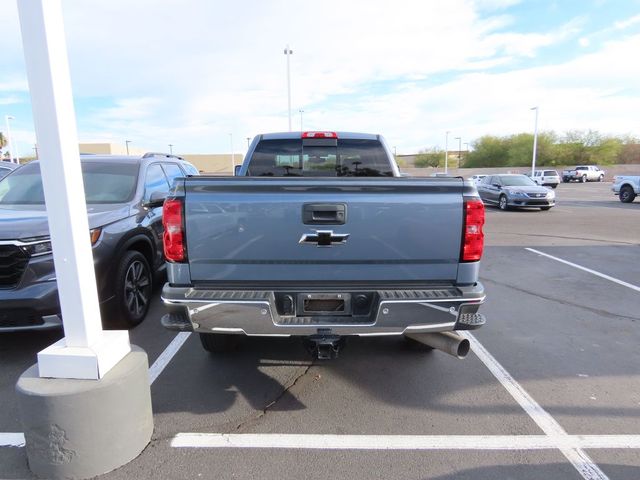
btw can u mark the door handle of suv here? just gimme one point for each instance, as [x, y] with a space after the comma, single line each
[324, 214]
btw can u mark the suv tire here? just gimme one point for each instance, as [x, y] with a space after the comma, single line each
[583, 179]
[601, 178]
[219, 342]
[133, 286]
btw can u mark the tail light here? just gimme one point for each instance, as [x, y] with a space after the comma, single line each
[173, 237]
[473, 237]
[319, 135]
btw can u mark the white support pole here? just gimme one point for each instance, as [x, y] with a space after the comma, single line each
[85, 351]
[535, 145]
[446, 151]
[12, 153]
[288, 52]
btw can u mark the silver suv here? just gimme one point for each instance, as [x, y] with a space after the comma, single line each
[546, 178]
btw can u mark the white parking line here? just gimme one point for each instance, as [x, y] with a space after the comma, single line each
[402, 442]
[585, 269]
[10, 439]
[576, 455]
[167, 355]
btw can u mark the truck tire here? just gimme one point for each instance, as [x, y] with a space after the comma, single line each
[627, 195]
[601, 178]
[219, 342]
[502, 203]
[565, 180]
[134, 286]
[583, 179]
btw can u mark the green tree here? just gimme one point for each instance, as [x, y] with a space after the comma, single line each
[488, 151]
[429, 157]
[3, 142]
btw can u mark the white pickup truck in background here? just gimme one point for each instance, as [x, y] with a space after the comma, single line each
[626, 187]
[583, 173]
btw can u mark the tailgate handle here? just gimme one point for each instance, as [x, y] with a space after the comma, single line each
[324, 214]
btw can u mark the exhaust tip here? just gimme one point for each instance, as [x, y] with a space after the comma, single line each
[463, 348]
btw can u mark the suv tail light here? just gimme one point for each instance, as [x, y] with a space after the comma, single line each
[473, 237]
[173, 237]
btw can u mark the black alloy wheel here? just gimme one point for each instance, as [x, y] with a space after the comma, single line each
[627, 195]
[134, 287]
[502, 202]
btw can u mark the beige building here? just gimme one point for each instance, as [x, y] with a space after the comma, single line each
[207, 163]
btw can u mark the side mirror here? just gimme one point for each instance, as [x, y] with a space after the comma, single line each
[156, 199]
[236, 170]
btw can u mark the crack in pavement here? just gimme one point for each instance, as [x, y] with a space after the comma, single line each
[287, 387]
[600, 240]
[561, 301]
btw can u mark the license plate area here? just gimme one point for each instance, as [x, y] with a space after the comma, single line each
[324, 303]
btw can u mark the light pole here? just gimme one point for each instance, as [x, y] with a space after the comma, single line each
[301, 112]
[535, 143]
[127, 142]
[446, 151]
[248, 140]
[171, 149]
[12, 152]
[233, 157]
[459, 149]
[288, 52]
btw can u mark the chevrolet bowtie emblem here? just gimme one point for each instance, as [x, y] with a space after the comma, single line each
[324, 238]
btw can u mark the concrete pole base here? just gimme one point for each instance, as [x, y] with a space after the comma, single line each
[84, 428]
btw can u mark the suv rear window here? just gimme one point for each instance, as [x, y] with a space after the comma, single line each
[550, 173]
[320, 158]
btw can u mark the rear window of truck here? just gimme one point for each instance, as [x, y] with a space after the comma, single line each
[319, 158]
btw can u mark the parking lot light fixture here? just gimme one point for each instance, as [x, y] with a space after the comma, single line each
[459, 149]
[535, 143]
[446, 151]
[127, 142]
[13, 153]
[171, 149]
[288, 52]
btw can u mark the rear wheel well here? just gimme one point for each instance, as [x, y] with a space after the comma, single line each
[144, 248]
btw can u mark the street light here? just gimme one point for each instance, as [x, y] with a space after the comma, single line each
[535, 144]
[301, 112]
[248, 140]
[233, 157]
[446, 151]
[171, 149]
[12, 152]
[459, 149]
[127, 142]
[288, 52]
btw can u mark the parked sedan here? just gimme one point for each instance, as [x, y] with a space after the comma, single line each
[124, 205]
[515, 191]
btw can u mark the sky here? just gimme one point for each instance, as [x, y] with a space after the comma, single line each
[205, 75]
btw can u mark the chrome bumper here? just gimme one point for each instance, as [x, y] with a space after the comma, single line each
[394, 312]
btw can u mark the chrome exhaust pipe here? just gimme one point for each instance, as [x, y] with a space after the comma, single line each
[447, 342]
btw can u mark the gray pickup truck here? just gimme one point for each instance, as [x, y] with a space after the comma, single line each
[319, 236]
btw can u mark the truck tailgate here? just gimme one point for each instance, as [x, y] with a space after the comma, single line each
[289, 230]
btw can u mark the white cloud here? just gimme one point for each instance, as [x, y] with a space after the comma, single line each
[623, 24]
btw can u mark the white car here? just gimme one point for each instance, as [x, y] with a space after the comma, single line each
[546, 178]
[476, 179]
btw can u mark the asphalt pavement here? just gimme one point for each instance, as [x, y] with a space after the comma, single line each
[551, 389]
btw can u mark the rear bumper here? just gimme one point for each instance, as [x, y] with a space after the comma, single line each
[392, 312]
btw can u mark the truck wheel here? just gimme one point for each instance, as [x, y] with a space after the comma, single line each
[565, 180]
[502, 203]
[601, 178]
[627, 195]
[134, 285]
[219, 342]
[583, 179]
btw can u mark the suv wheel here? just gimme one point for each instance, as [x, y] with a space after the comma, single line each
[219, 342]
[583, 179]
[627, 195]
[134, 285]
[601, 178]
[502, 202]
